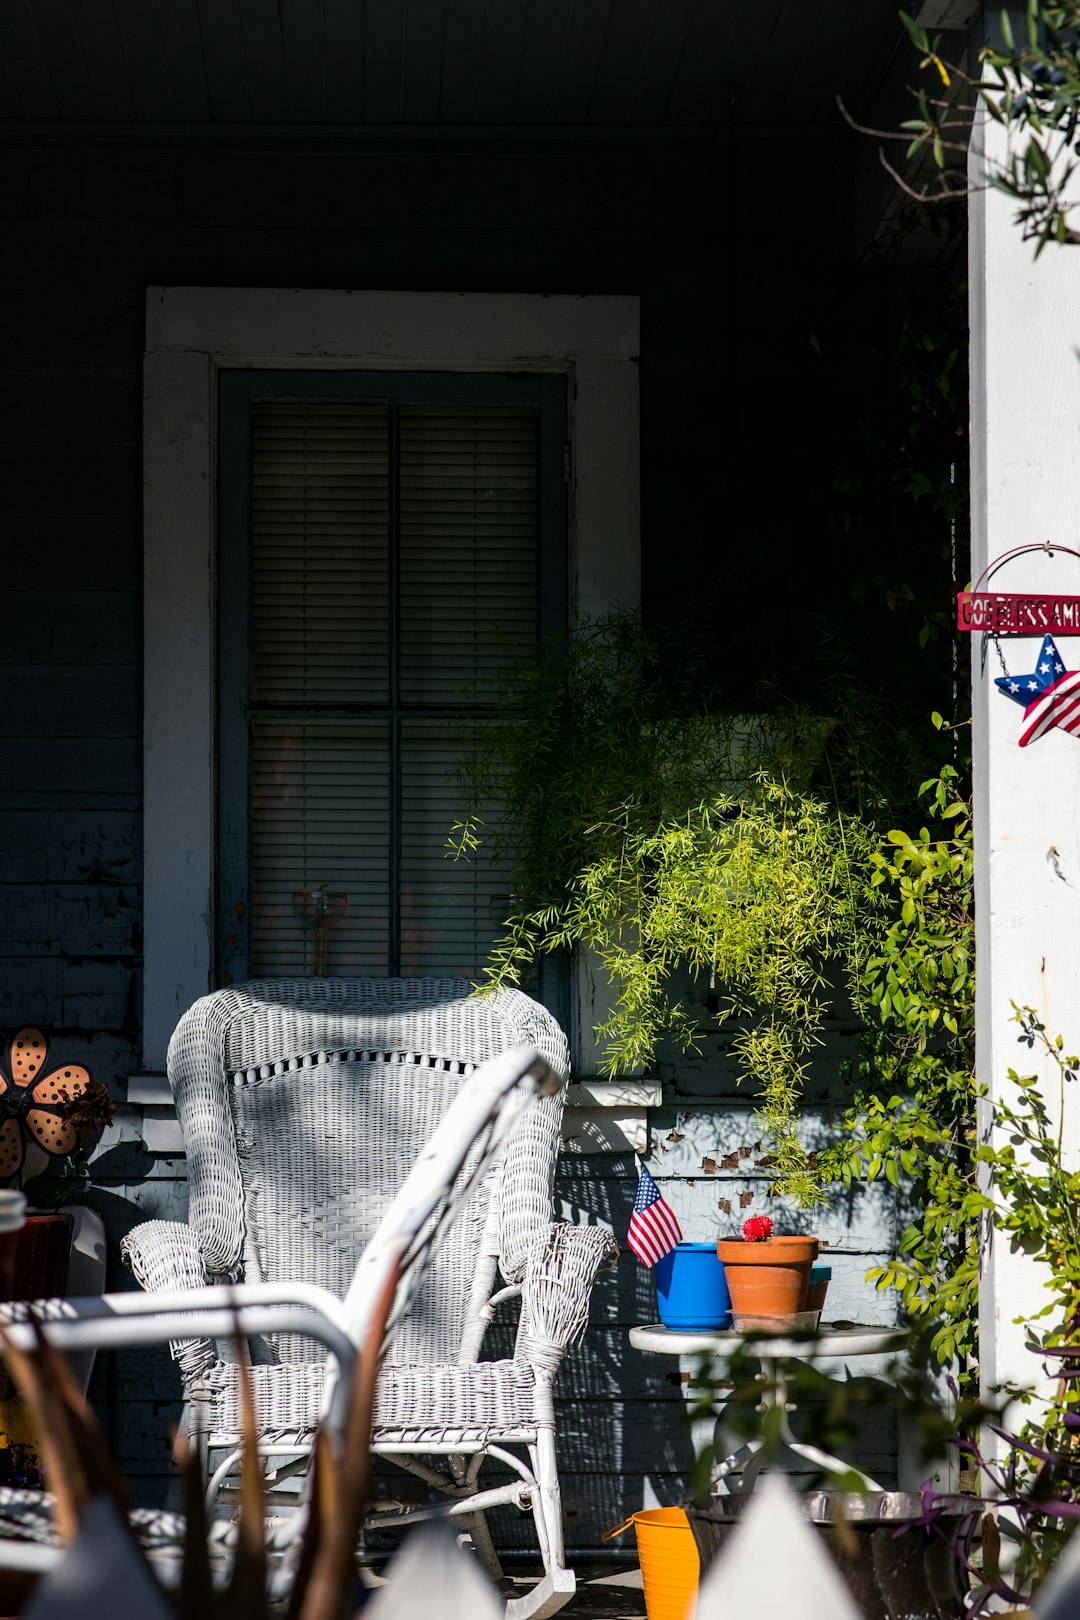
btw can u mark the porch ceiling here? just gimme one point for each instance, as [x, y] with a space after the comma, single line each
[464, 65]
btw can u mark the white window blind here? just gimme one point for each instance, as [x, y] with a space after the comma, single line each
[394, 567]
[320, 565]
[468, 547]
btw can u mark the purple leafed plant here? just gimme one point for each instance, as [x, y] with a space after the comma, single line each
[1037, 1484]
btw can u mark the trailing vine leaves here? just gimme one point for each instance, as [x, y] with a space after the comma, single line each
[763, 892]
[913, 1116]
[623, 725]
[667, 834]
[1033, 1198]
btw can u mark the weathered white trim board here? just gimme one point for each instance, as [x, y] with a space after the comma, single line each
[1025, 443]
[609, 1116]
[614, 1094]
[149, 1091]
[601, 1116]
[191, 333]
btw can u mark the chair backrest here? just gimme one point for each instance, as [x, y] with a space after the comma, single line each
[304, 1103]
[453, 1165]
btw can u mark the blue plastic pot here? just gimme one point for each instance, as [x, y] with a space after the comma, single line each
[820, 1278]
[691, 1289]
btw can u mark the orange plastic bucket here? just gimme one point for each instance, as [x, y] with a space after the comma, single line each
[670, 1567]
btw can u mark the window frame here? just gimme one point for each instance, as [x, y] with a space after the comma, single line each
[192, 333]
[239, 392]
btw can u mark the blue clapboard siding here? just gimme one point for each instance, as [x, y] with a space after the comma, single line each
[85, 229]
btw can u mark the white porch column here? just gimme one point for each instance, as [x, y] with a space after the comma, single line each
[1025, 443]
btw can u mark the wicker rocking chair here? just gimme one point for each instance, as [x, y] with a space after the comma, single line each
[303, 1104]
[465, 1145]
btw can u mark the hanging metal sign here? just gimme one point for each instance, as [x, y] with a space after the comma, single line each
[1017, 614]
[1049, 694]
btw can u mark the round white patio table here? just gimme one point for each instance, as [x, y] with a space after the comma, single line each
[773, 1353]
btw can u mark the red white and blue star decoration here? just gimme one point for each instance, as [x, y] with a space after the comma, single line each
[1050, 695]
[1058, 706]
[1049, 667]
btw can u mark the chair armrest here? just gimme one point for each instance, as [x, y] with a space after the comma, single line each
[165, 1257]
[557, 1288]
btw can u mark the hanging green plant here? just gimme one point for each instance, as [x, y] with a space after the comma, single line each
[667, 836]
[767, 895]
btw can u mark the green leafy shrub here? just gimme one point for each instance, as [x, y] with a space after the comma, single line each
[1032, 1193]
[913, 1116]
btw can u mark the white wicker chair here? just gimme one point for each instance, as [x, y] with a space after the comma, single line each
[464, 1146]
[303, 1103]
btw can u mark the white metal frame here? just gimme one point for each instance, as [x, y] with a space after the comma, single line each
[123, 1321]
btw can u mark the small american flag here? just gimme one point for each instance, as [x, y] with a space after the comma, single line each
[654, 1231]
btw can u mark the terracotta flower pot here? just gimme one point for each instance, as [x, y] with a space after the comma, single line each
[770, 1278]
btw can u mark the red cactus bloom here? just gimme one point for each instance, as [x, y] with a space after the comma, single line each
[757, 1228]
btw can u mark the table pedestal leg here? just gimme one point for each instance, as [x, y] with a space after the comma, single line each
[749, 1460]
[738, 1462]
[830, 1464]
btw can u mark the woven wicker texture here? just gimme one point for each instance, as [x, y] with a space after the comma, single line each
[285, 1024]
[309, 1140]
[30, 1516]
[304, 1102]
[558, 1286]
[165, 1255]
[432, 1401]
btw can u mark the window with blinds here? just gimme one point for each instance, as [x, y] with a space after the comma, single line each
[384, 552]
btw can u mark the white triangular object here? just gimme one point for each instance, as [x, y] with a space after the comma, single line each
[1059, 1596]
[774, 1567]
[103, 1575]
[432, 1577]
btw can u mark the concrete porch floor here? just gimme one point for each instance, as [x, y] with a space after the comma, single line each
[604, 1592]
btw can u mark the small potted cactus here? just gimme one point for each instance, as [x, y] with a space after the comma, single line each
[767, 1276]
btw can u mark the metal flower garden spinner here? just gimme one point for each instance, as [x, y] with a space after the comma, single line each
[49, 1113]
[1050, 693]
